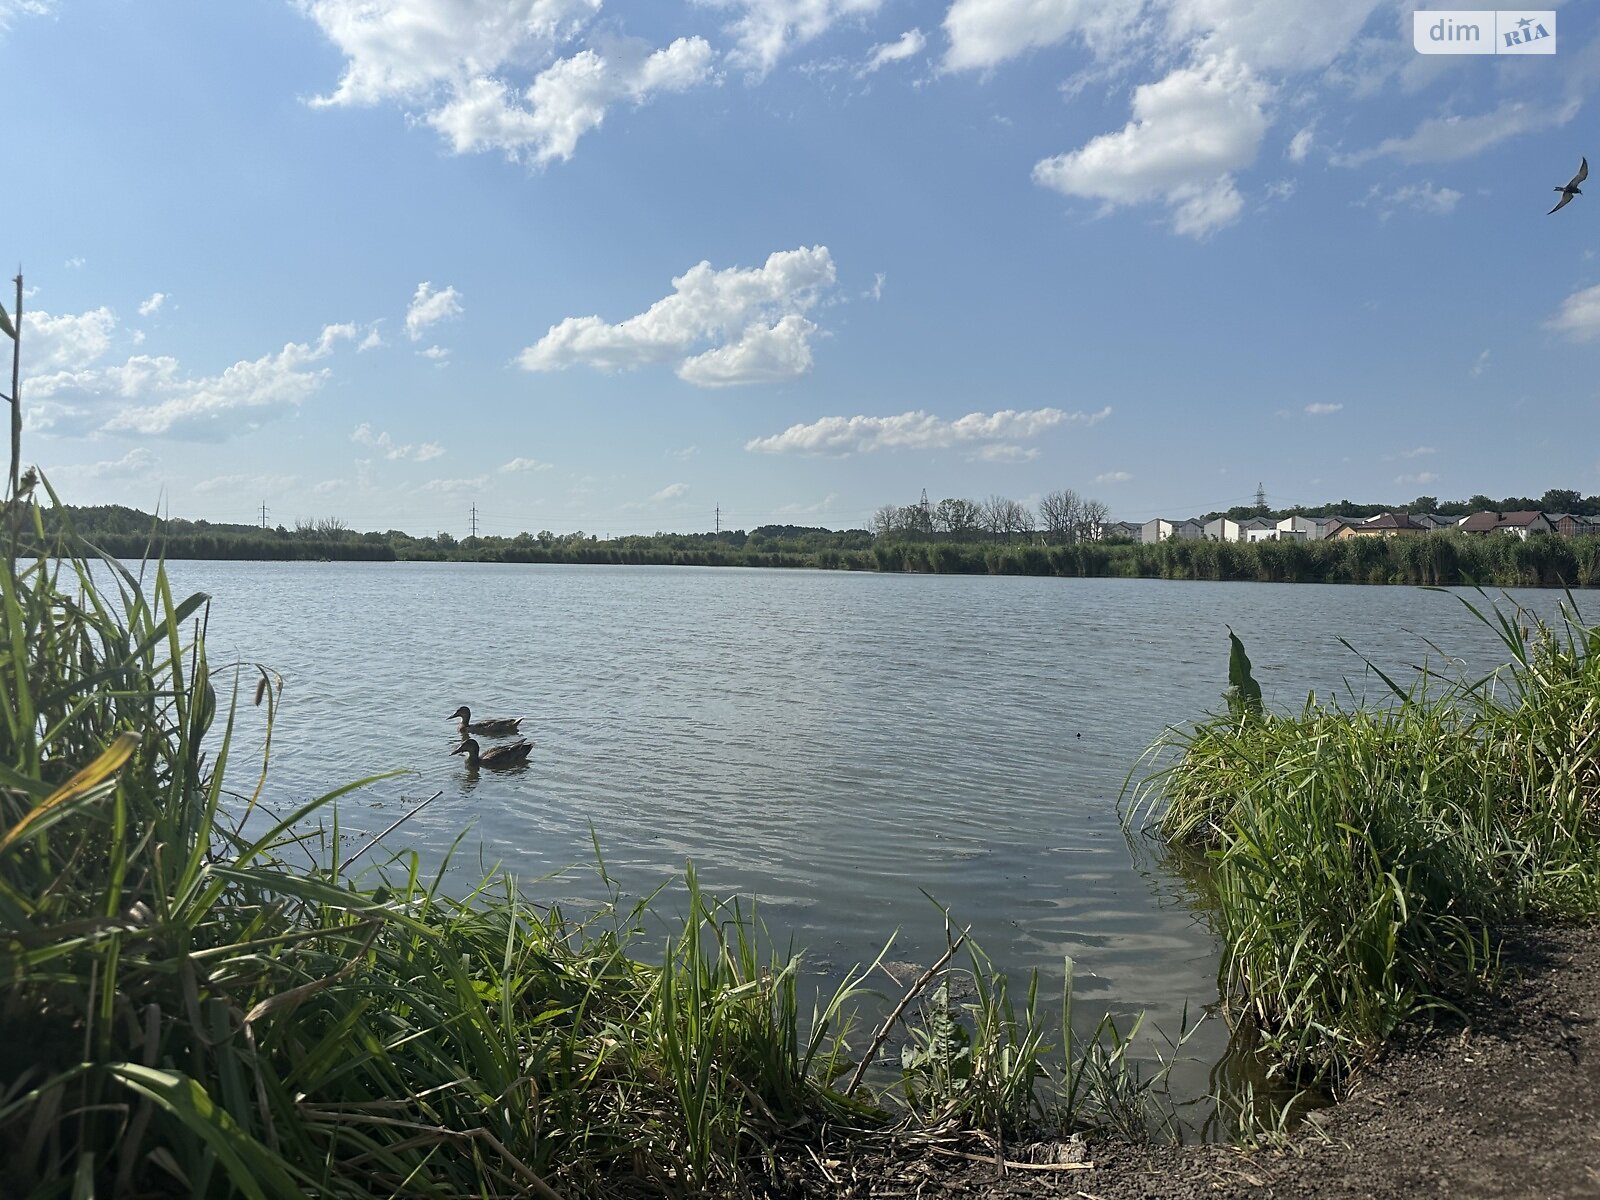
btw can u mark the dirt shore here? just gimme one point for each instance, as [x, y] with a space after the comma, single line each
[1504, 1105]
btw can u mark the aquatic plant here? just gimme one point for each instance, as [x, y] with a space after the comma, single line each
[1359, 860]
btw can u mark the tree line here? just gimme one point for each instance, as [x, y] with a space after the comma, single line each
[1063, 517]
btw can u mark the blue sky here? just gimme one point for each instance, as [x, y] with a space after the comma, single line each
[600, 265]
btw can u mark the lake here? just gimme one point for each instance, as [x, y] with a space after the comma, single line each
[834, 744]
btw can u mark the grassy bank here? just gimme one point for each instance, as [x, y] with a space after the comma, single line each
[1358, 862]
[187, 1008]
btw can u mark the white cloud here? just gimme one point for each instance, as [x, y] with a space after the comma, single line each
[1480, 364]
[523, 464]
[910, 44]
[766, 30]
[429, 307]
[75, 263]
[149, 395]
[385, 445]
[438, 354]
[672, 492]
[153, 305]
[1446, 139]
[1188, 133]
[754, 316]
[916, 430]
[1418, 452]
[1422, 477]
[405, 49]
[1323, 410]
[254, 484]
[761, 355]
[1579, 317]
[455, 487]
[1291, 35]
[372, 341]
[984, 33]
[1113, 477]
[1300, 145]
[1007, 452]
[135, 463]
[685, 453]
[875, 292]
[1421, 197]
[459, 59]
[567, 99]
[69, 342]
[21, 8]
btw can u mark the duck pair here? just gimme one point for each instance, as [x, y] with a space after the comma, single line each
[512, 755]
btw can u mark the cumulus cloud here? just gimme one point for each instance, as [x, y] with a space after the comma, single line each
[1579, 317]
[152, 395]
[404, 49]
[985, 33]
[1300, 145]
[753, 315]
[429, 307]
[385, 445]
[1188, 134]
[135, 463]
[67, 342]
[567, 99]
[460, 61]
[766, 30]
[523, 464]
[1322, 410]
[672, 492]
[153, 305]
[910, 44]
[916, 430]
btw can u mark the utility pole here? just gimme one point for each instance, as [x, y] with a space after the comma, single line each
[718, 526]
[263, 514]
[474, 519]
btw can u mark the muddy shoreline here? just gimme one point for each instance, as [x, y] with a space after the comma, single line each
[1503, 1104]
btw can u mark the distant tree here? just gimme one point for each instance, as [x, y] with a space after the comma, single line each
[1481, 503]
[1560, 500]
[1095, 515]
[1424, 504]
[1061, 515]
[957, 519]
[886, 521]
[914, 520]
[995, 512]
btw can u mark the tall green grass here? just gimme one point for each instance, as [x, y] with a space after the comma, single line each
[1359, 860]
[200, 998]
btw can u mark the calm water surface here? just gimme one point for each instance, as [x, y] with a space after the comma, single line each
[832, 743]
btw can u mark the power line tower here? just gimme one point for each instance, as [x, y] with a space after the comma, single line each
[717, 517]
[263, 514]
[474, 520]
[1261, 496]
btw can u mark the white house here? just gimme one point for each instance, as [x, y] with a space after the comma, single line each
[1221, 529]
[1159, 529]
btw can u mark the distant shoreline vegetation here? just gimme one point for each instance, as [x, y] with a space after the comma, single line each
[1439, 558]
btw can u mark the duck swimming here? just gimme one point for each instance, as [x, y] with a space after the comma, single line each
[489, 727]
[496, 757]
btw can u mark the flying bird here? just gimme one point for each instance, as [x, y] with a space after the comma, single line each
[1572, 189]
